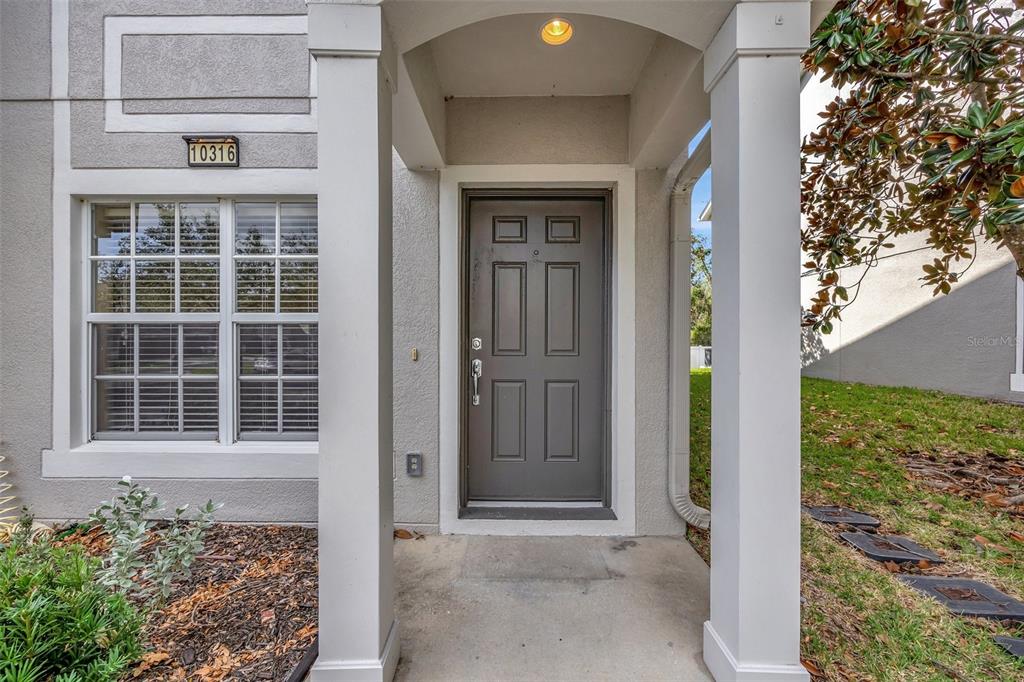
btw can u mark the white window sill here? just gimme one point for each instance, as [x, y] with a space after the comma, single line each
[182, 459]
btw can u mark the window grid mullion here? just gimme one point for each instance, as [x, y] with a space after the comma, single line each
[280, 377]
[177, 257]
[131, 257]
[226, 341]
[136, 371]
[181, 383]
[277, 257]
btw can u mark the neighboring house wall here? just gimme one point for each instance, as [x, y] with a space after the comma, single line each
[591, 130]
[896, 333]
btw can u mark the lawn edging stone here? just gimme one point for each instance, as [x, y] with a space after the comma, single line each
[890, 548]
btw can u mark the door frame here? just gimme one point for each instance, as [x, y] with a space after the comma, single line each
[525, 180]
[467, 195]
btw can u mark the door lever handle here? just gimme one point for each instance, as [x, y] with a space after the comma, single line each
[476, 372]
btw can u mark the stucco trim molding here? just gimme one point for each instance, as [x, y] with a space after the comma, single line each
[117, 121]
[621, 179]
[184, 460]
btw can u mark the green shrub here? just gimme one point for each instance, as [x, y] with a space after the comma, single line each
[66, 616]
[57, 622]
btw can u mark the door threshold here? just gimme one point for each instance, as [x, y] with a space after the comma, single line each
[589, 504]
[531, 513]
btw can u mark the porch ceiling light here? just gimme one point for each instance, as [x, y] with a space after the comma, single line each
[556, 32]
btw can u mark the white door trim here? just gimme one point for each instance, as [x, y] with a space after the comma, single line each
[621, 179]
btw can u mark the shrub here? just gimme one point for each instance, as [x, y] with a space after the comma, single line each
[126, 568]
[66, 616]
[57, 621]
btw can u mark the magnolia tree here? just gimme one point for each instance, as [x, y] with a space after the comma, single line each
[927, 137]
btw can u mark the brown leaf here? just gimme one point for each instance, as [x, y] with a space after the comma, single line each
[1019, 537]
[891, 566]
[812, 667]
[150, 660]
[830, 484]
[924, 564]
[403, 534]
[985, 543]
[995, 499]
[267, 616]
[1017, 188]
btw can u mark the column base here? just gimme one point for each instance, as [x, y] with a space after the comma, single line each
[725, 668]
[382, 670]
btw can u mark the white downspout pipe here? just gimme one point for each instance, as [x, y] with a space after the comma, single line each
[679, 355]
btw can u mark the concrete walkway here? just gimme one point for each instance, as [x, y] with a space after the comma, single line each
[511, 609]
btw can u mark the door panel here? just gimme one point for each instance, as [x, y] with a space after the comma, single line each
[536, 300]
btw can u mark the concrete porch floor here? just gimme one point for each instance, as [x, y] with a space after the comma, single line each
[475, 608]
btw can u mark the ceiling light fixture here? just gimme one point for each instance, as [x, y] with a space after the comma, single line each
[557, 31]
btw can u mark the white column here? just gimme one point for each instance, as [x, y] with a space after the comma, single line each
[753, 74]
[358, 630]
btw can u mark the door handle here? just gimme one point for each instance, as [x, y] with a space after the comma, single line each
[476, 372]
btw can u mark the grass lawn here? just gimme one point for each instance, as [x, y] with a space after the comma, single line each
[921, 462]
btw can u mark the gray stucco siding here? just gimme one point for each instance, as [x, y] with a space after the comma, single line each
[224, 66]
[85, 34]
[91, 147]
[187, 73]
[24, 49]
[654, 513]
[416, 386]
[511, 130]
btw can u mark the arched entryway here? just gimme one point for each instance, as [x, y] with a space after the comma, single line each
[377, 89]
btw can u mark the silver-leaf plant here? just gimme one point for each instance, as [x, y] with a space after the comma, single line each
[127, 520]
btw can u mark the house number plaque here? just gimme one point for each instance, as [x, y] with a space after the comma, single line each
[219, 151]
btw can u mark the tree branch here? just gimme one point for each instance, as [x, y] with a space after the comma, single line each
[1013, 40]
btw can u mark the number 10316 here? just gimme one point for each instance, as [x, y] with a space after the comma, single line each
[213, 153]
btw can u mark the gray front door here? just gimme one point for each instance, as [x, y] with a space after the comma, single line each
[536, 330]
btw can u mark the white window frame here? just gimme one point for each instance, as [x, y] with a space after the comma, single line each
[1017, 378]
[147, 457]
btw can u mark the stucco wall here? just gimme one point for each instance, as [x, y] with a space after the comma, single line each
[149, 74]
[655, 515]
[416, 327]
[511, 130]
[896, 333]
[518, 130]
[26, 130]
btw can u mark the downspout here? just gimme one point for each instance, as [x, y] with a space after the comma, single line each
[679, 354]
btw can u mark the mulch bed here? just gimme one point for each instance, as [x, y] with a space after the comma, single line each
[998, 481]
[247, 612]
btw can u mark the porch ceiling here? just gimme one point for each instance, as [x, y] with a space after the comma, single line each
[504, 57]
[650, 50]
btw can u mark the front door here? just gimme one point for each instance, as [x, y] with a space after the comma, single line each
[536, 347]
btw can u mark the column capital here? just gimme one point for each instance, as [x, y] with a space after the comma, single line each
[352, 29]
[760, 29]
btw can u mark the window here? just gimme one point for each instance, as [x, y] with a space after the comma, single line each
[203, 320]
